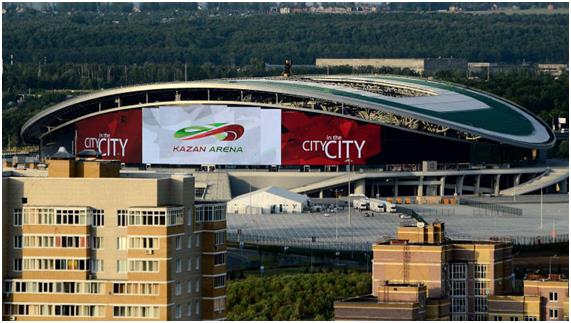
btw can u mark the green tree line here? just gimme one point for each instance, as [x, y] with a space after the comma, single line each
[293, 297]
[180, 36]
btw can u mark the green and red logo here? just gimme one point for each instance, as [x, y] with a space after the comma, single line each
[220, 130]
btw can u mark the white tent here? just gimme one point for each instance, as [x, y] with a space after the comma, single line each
[267, 200]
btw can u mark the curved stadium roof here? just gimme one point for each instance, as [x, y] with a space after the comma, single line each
[419, 105]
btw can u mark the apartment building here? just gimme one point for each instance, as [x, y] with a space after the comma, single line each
[422, 275]
[88, 242]
[545, 298]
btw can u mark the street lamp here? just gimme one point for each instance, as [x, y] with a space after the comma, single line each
[335, 213]
[348, 161]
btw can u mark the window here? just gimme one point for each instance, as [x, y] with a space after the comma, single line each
[122, 218]
[553, 313]
[178, 263]
[189, 264]
[17, 217]
[196, 307]
[497, 318]
[98, 218]
[17, 242]
[514, 318]
[189, 287]
[178, 311]
[220, 238]
[188, 309]
[189, 242]
[121, 266]
[96, 242]
[197, 240]
[96, 265]
[177, 288]
[552, 296]
[219, 259]
[220, 281]
[121, 243]
[197, 262]
[143, 266]
[480, 271]
[197, 286]
[530, 318]
[210, 212]
[18, 264]
[219, 304]
[143, 243]
[178, 242]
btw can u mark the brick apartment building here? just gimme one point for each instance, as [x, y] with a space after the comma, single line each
[422, 275]
[87, 242]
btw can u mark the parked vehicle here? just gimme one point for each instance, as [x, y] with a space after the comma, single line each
[377, 205]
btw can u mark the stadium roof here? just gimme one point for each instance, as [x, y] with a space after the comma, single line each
[443, 104]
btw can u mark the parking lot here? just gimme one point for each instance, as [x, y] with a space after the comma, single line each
[462, 221]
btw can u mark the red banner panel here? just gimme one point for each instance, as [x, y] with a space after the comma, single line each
[317, 139]
[117, 135]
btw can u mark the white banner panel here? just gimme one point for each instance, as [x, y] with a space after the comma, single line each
[211, 134]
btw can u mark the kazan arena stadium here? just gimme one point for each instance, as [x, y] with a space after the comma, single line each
[397, 135]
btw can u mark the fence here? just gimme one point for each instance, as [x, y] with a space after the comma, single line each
[309, 243]
[435, 213]
[491, 208]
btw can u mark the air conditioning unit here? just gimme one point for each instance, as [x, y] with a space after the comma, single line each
[12, 318]
[149, 252]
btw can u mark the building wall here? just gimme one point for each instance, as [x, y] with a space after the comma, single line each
[550, 305]
[176, 254]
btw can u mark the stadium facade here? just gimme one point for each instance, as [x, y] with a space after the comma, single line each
[315, 122]
[312, 120]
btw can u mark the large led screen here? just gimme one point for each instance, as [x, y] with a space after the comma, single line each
[117, 135]
[211, 134]
[317, 139]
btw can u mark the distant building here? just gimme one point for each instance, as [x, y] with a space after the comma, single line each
[485, 69]
[545, 298]
[422, 275]
[269, 200]
[89, 242]
[426, 66]
[284, 10]
[553, 69]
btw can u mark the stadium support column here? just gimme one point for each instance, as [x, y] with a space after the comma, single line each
[442, 185]
[477, 185]
[360, 187]
[496, 186]
[420, 188]
[517, 178]
[396, 190]
[321, 194]
[459, 184]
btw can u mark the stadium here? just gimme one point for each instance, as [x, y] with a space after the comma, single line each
[410, 139]
[312, 123]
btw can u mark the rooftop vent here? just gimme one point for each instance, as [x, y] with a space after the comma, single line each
[89, 154]
[62, 153]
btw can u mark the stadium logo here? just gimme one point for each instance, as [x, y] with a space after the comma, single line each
[220, 130]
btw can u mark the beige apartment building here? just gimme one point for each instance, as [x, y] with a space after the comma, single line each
[422, 275]
[87, 242]
[545, 298]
